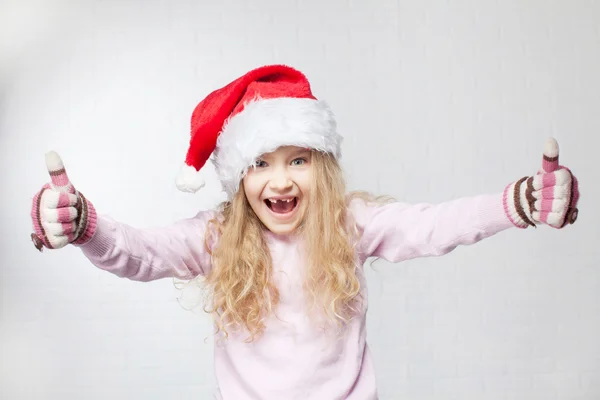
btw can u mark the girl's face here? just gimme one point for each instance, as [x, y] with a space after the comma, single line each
[278, 187]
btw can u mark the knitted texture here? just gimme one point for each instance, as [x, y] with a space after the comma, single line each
[549, 197]
[59, 213]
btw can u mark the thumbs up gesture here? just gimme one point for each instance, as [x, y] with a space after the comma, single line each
[60, 214]
[549, 197]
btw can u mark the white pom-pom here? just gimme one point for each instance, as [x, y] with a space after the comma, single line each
[189, 180]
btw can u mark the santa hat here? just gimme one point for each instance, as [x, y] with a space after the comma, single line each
[266, 108]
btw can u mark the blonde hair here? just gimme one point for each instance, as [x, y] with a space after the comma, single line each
[240, 287]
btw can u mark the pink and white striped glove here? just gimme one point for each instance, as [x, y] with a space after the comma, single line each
[59, 213]
[549, 197]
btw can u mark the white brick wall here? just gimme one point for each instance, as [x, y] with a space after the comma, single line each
[437, 100]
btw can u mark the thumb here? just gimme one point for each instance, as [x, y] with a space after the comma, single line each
[550, 158]
[58, 174]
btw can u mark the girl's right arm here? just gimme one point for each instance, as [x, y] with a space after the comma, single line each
[176, 250]
[61, 215]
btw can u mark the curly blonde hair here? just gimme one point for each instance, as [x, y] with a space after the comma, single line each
[240, 287]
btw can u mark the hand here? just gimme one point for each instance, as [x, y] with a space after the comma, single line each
[59, 213]
[549, 197]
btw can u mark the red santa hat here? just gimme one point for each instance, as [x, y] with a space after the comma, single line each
[266, 108]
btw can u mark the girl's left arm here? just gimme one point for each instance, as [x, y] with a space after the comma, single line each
[400, 231]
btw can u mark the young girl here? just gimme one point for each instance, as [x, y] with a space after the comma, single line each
[282, 258]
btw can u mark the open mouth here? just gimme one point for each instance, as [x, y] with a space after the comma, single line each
[282, 206]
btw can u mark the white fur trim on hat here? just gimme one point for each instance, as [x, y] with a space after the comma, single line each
[266, 124]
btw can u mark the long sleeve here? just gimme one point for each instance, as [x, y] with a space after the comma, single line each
[177, 250]
[400, 231]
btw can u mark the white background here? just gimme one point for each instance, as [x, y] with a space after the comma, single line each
[436, 100]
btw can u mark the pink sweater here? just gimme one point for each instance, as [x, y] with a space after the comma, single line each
[293, 360]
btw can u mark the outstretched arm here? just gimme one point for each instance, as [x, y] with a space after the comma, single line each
[61, 215]
[144, 255]
[401, 231]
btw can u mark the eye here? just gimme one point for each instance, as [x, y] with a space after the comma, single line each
[260, 163]
[299, 161]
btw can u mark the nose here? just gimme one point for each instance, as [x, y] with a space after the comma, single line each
[280, 181]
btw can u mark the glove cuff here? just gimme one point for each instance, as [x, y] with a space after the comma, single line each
[516, 205]
[87, 221]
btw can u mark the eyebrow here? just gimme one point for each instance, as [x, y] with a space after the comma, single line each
[293, 153]
[300, 151]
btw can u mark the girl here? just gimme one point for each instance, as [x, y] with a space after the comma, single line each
[282, 257]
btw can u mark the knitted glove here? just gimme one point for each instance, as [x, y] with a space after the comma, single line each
[550, 197]
[59, 213]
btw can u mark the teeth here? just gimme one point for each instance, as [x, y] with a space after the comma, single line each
[275, 200]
